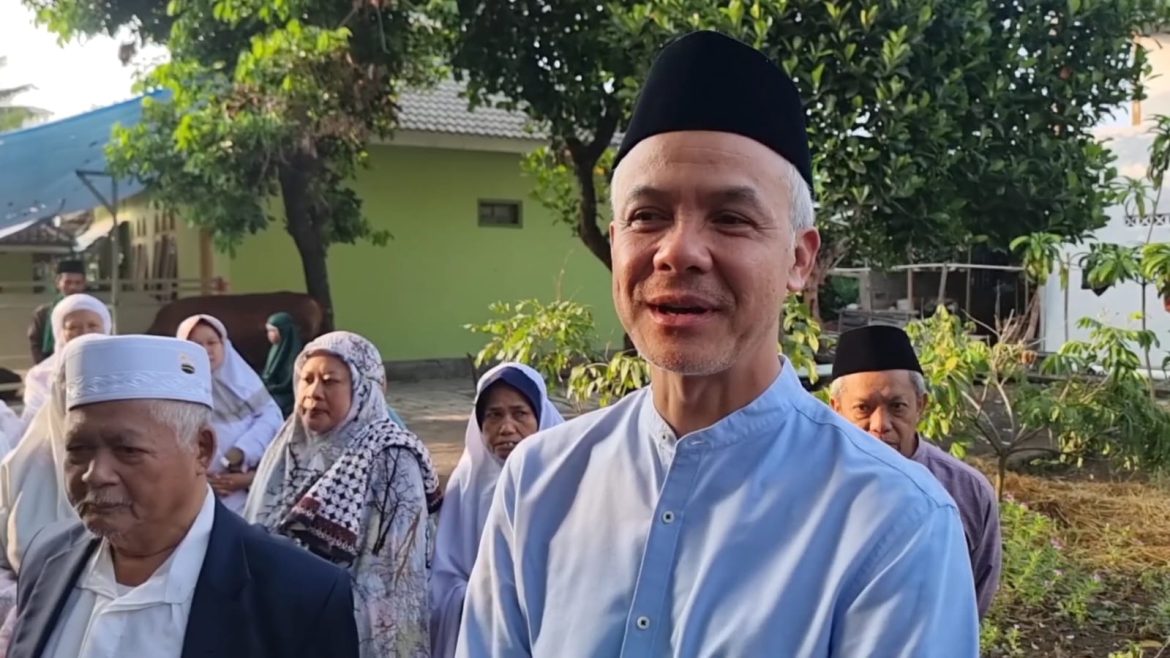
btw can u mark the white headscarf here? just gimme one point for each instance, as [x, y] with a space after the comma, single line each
[11, 427]
[32, 494]
[236, 389]
[38, 379]
[465, 507]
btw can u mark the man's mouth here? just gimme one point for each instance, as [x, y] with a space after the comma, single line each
[671, 309]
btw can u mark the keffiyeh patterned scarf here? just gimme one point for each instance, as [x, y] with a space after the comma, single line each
[326, 510]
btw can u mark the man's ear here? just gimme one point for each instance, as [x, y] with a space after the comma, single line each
[205, 447]
[805, 245]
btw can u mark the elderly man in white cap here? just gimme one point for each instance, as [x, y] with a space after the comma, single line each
[156, 566]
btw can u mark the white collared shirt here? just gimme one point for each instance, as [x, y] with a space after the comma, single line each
[104, 619]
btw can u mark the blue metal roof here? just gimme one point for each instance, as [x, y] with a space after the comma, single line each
[39, 165]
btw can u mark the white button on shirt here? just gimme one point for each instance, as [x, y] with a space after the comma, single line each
[104, 619]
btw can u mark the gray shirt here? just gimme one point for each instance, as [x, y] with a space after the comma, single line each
[978, 511]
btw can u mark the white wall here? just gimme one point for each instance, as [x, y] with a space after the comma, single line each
[1116, 306]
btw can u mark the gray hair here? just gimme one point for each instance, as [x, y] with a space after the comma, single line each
[800, 210]
[186, 419]
[837, 386]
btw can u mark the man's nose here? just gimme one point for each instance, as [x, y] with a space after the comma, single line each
[683, 247]
[879, 421]
[100, 472]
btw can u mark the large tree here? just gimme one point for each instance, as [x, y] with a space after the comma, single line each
[267, 109]
[934, 124]
[13, 116]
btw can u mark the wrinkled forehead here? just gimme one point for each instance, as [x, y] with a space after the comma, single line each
[358, 354]
[879, 385]
[126, 418]
[699, 164]
[80, 316]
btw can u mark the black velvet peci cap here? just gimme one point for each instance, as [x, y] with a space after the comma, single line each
[873, 349]
[70, 267]
[708, 81]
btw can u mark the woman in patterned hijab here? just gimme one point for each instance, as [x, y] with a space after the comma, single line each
[351, 486]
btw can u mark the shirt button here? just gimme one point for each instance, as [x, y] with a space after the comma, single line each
[643, 623]
[668, 517]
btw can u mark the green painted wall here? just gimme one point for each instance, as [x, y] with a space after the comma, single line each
[441, 270]
[15, 268]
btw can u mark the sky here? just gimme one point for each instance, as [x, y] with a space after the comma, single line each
[70, 79]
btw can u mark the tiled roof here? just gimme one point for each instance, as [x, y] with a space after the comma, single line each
[443, 109]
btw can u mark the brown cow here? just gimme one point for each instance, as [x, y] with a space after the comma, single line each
[244, 316]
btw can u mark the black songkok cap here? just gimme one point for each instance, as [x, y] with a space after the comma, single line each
[708, 81]
[873, 349]
[70, 267]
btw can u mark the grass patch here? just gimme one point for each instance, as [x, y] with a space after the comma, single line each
[1086, 570]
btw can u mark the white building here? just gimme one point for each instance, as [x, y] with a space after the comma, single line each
[1128, 137]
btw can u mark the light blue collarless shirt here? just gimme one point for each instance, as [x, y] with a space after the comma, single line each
[779, 531]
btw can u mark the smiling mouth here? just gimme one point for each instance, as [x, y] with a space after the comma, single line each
[670, 309]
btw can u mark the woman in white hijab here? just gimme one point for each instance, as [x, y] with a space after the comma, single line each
[75, 315]
[244, 415]
[511, 404]
[11, 427]
[32, 495]
[354, 488]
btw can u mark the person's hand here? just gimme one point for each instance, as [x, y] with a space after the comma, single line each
[227, 483]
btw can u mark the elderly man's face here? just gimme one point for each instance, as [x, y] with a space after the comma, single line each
[886, 404]
[703, 249]
[127, 474]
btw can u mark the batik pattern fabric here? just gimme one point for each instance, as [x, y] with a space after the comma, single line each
[357, 496]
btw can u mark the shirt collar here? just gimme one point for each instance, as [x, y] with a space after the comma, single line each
[921, 450]
[768, 410]
[173, 583]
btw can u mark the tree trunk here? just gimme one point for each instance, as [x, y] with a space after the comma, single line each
[304, 226]
[827, 259]
[585, 158]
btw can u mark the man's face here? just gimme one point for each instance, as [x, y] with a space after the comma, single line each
[70, 283]
[507, 419]
[126, 473]
[80, 323]
[703, 250]
[886, 404]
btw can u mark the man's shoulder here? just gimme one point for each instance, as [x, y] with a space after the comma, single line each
[50, 540]
[272, 557]
[593, 426]
[857, 455]
[956, 474]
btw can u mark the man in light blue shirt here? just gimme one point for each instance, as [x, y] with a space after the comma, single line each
[722, 511]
